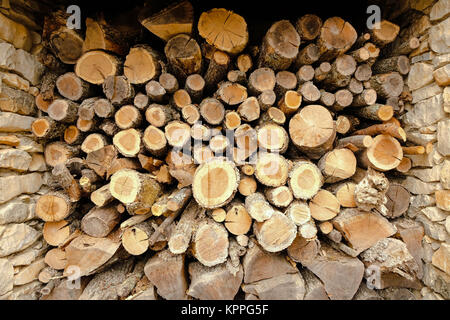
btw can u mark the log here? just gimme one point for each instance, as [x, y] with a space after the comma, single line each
[141, 64]
[384, 154]
[223, 24]
[249, 109]
[58, 234]
[95, 66]
[307, 55]
[247, 186]
[271, 169]
[168, 82]
[276, 233]
[386, 128]
[86, 109]
[93, 142]
[180, 99]
[177, 133]
[155, 91]
[175, 19]
[15, 33]
[85, 125]
[278, 52]
[128, 142]
[280, 197]
[345, 193]
[232, 93]
[66, 43]
[56, 259]
[232, 120]
[181, 236]
[336, 37]
[377, 112]
[102, 196]
[215, 183]
[398, 64]
[313, 121]
[67, 182]
[272, 138]
[244, 62]
[343, 99]
[258, 207]
[355, 86]
[159, 115]
[260, 80]
[70, 86]
[367, 97]
[46, 128]
[183, 55]
[324, 206]
[100, 160]
[322, 71]
[63, 110]
[217, 69]
[135, 238]
[341, 72]
[210, 243]
[131, 187]
[99, 222]
[398, 200]
[237, 220]
[273, 115]
[337, 165]
[284, 81]
[308, 27]
[128, 117]
[219, 144]
[118, 90]
[383, 33]
[387, 84]
[358, 142]
[298, 212]
[309, 92]
[305, 179]
[194, 86]
[103, 108]
[212, 111]
[59, 152]
[53, 206]
[327, 98]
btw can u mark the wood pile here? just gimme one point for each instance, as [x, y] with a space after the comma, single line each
[235, 160]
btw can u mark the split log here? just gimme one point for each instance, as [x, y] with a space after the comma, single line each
[17, 101]
[398, 199]
[278, 52]
[100, 160]
[174, 19]
[67, 182]
[141, 64]
[313, 130]
[102, 196]
[324, 206]
[103, 36]
[223, 24]
[95, 66]
[345, 193]
[183, 55]
[99, 222]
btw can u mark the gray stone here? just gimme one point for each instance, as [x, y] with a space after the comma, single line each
[427, 56]
[417, 186]
[16, 237]
[441, 60]
[426, 92]
[446, 99]
[438, 280]
[434, 214]
[432, 229]
[442, 75]
[37, 163]
[26, 143]
[30, 254]
[290, 286]
[426, 160]
[6, 276]
[414, 136]
[20, 62]
[440, 10]
[426, 112]
[440, 37]
[420, 75]
[11, 122]
[441, 258]
[426, 175]
[14, 159]
[447, 224]
[422, 200]
[12, 186]
[443, 136]
[18, 210]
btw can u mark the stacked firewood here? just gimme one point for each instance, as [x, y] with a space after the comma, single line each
[214, 148]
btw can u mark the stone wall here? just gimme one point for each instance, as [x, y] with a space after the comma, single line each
[23, 173]
[427, 121]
